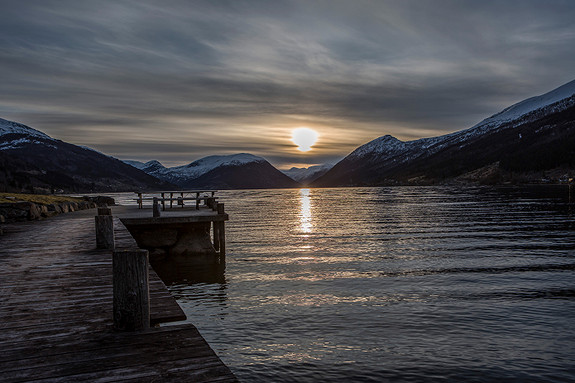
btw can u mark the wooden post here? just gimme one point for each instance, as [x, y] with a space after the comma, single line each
[171, 199]
[155, 208]
[105, 229]
[198, 201]
[216, 226]
[570, 185]
[131, 290]
[163, 202]
[221, 232]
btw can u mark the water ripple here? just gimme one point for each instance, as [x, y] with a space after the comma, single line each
[405, 284]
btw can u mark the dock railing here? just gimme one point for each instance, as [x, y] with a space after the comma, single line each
[167, 198]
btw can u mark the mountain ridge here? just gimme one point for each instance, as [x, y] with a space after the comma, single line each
[221, 172]
[307, 175]
[32, 161]
[387, 160]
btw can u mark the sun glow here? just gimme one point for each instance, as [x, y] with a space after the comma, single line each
[304, 138]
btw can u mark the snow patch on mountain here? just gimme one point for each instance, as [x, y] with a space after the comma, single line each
[152, 165]
[206, 164]
[307, 174]
[529, 105]
[382, 146]
[193, 170]
[21, 142]
[134, 163]
[10, 127]
[390, 148]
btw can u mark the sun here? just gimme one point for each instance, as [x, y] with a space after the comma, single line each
[304, 138]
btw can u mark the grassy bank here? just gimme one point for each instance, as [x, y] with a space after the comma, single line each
[36, 198]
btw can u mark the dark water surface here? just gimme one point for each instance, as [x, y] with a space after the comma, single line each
[393, 284]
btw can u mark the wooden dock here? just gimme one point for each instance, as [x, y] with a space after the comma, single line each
[56, 314]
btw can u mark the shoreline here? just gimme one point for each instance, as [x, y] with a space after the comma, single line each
[30, 207]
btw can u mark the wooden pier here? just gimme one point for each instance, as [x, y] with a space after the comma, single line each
[179, 235]
[56, 314]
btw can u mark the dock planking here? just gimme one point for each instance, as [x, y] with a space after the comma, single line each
[56, 314]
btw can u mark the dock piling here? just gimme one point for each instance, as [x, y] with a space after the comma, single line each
[221, 236]
[105, 229]
[131, 290]
[180, 233]
[156, 208]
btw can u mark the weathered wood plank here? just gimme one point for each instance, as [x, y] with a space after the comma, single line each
[101, 341]
[56, 314]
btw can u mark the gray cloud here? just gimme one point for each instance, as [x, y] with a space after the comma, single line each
[136, 78]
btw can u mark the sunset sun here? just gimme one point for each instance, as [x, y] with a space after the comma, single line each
[304, 138]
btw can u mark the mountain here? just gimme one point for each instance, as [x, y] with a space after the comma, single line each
[307, 175]
[153, 168]
[237, 171]
[10, 127]
[137, 164]
[35, 162]
[517, 144]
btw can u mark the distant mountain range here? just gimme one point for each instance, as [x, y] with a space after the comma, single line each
[530, 141]
[32, 161]
[236, 171]
[520, 144]
[307, 175]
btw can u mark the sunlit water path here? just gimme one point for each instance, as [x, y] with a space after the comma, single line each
[392, 284]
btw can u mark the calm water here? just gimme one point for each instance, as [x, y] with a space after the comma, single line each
[392, 284]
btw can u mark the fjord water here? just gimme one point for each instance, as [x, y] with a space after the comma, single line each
[392, 284]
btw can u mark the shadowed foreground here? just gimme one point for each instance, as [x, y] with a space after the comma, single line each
[56, 314]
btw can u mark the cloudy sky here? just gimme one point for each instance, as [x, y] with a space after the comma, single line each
[179, 80]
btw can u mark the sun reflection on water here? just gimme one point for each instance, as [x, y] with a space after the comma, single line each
[305, 217]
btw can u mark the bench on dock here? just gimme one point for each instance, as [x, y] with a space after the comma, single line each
[162, 197]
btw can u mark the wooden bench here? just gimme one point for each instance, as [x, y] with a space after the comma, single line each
[178, 200]
[182, 193]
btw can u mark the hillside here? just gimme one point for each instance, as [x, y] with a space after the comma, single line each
[31, 161]
[524, 143]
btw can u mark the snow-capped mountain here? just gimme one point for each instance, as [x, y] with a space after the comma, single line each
[236, 171]
[14, 135]
[10, 127]
[387, 160]
[307, 175]
[206, 164]
[560, 98]
[528, 110]
[134, 163]
[33, 161]
[153, 167]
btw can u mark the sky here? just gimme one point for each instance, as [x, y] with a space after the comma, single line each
[179, 80]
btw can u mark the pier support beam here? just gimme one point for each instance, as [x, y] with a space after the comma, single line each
[155, 208]
[105, 229]
[221, 238]
[131, 290]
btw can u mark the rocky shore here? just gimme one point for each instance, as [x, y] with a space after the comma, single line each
[30, 211]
